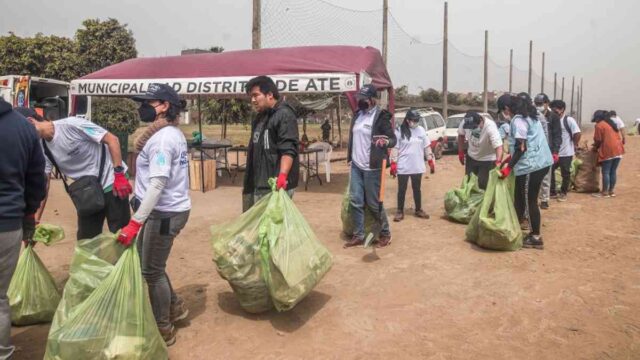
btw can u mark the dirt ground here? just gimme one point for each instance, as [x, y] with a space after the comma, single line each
[430, 295]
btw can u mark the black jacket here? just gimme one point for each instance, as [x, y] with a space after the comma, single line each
[381, 126]
[279, 136]
[22, 179]
[555, 131]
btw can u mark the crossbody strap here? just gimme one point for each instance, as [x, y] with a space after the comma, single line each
[49, 155]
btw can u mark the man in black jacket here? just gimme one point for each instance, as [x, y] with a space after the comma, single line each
[22, 188]
[370, 137]
[273, 147]
[554, 138]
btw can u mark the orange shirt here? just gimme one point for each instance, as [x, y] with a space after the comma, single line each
[610, 141]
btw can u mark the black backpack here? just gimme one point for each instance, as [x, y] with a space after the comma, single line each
[567, 127]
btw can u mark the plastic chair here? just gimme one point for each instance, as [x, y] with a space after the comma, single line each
[323, 157]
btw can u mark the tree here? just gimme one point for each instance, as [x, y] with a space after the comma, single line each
[431, 95]
[454, 99]
[216, 49]
[402, 93]
[118, 115]
[103, 43]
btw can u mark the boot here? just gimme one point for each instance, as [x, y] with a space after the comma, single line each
[421, 214]
[399, 216]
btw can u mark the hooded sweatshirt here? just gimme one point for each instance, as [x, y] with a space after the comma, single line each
[22, 179]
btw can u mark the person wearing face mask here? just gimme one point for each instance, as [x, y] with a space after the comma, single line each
[78, 149]
[410, 152]
[553, 133]
[273, 147]
[530, 161]
[484, 149]
[570, 140]
[370, 137]
[161, 203]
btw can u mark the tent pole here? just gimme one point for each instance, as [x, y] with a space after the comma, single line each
[333, 138]
[201, 151]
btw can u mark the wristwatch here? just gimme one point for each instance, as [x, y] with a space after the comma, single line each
[118, 169]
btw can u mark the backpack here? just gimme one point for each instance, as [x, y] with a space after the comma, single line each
[567, 127]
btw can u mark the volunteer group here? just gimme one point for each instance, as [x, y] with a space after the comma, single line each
[537, 134]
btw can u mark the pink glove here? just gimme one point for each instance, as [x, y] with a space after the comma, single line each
[129, 232]
[394, 169]
[461, 156]
[505, 172]
[556, 158]
[281, 183]
[432, 166]
[121, 186]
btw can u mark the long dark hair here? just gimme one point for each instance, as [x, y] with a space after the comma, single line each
[603, 115]
[524, 107]
[405, 130]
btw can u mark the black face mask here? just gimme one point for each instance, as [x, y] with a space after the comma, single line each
[363, 104]
[147, 112]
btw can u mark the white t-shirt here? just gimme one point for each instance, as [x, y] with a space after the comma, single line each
[618, 121]
[165, 155]
[567, 147]
[361, 150]
[482, 142]
[76, 147]
[637, 122]
[411, 152]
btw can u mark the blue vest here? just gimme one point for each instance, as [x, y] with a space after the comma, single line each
[538, 155]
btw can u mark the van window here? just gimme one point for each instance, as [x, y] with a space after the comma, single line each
[431, 123]
[439, 120]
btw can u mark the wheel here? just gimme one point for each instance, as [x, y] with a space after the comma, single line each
[438, 150]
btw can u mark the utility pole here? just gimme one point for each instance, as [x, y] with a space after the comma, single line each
[562, 93]
[555, 85]
[542, 82]
[530, 65]
[256, 29]
[511, 71]
[485, 96]
[385, 11]
[581, 98]
[445, 63]
[573, 80]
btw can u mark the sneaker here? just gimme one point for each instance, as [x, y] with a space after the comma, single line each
[383, 240]
[355, 241]
[531, 242]
[421, 214]
[168, 334]
[544, 205]
[178, 311]
[562, 197]
[524, 225]
[612, 194]
[601, 195]
[399, 216]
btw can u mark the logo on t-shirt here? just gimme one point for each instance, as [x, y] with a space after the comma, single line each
[90, 130]
[161, 159]
[183, 159]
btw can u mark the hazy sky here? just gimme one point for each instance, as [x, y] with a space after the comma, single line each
[595, 39]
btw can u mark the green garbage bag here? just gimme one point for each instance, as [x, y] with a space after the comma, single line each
[293, 260]
[33, 295]
[236, 252]
[495, 225]
[346, 215]
[112, 321]
[575, 165]
[461, 203]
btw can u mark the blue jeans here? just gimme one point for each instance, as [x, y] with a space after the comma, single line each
[609, 168]
[363, 190]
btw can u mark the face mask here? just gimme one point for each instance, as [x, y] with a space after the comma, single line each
[413, 124]
[540, 108]
[147, 113]
[506, 117]
[363, 104]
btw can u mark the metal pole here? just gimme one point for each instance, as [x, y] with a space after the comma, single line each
[385, 11]
[530, 65]
[578, 104]
[340, 121]
[256, 33]
[555, 85]
[201, 151]
[511, 70]
[581, 98]
[445, 63]
[485, 96]
[573, 80]
[562, 93]
[542, 82]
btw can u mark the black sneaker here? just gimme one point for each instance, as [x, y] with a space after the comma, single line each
[533, 243]
[562, 197]
[544, 205]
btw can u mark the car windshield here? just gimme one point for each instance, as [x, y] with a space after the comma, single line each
[453, 122]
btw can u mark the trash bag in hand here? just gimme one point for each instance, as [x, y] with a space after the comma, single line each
[495, 225]
[236, 252]
[293, 259]
[33, 295]
[461, 203]
[108, 314]
[346, 215]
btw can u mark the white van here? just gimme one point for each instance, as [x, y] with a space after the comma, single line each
[432, 122]
[48, 96]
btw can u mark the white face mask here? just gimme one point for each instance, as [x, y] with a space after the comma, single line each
[540, 108]
[413, 125]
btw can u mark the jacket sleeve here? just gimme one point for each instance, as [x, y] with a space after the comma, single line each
[387, 129]
[287, 129]
[555, 131]
[35, 180]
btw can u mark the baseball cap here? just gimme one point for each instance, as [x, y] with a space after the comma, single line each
[367, 91]
[504, 101]
[412, 114]
[161, 92]
[471, 120]
[541, 98]
[28, 113]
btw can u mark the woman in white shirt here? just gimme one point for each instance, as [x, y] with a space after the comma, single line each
[411, 150]
[161, 202]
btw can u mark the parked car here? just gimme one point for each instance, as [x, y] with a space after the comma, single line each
[432, 122]
[451, 130]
